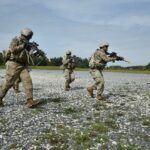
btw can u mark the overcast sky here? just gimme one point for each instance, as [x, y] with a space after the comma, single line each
[80, 26]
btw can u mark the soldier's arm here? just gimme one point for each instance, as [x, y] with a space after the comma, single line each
[15, 47]
[106, 58]
[65, 61]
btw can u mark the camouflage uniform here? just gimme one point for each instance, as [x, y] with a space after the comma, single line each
[97, 63]
[16, 67]
[16, 85]
[69, 65]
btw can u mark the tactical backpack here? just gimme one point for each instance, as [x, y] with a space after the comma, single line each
[6, 54]
[92, 61]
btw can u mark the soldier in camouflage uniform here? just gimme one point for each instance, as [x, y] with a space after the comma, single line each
[17, 82]
[68, 66]
[16, 86]
[17, 67]
[97, 63]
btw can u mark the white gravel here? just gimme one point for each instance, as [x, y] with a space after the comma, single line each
[127, 105]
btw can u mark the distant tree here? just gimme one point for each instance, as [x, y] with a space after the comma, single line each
[2, 62]
[41, 61]
[148, 66]
[56, 61]
[82, 62]
[115, 67]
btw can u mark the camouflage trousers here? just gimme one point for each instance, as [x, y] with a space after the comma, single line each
[15, 71]
[69, 76]
[99, 81]
[16, 84]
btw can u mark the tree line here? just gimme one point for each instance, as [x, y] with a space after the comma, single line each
[55, 61]
[80, 62]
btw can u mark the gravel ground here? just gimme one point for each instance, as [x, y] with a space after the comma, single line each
[74, 121]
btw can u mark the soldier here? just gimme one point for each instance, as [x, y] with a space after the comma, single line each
[68, 66]
[17, 67]
[97, 63]
[17, 82]
[16, 86]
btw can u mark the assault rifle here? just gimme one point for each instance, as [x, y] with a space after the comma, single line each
[73, 58]
[118, 58]
[32, 47]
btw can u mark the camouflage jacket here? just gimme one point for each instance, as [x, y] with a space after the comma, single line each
[68, 62]
[99, 59]
[18, 51]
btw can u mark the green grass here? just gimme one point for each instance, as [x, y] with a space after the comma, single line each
[2, 67]
[86, 69]
[70, 110]
[129, 71]
[146, 122]
[100, 127]
[57, 139]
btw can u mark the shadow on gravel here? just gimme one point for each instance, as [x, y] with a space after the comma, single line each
[78, 88]
[50, 100]
[114, 94]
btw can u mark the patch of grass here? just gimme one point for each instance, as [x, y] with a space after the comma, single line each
[13, 146]
[146, 122]
[120, 146]
[82, 140]
[112, 115]
[111, 124]
[132, 119]
[103, 127]
[129, 71]
[100, 127]
[70, 110]
[3, 121]
[81, 137]
[103, 139]
[2, 67]
[54, 68]
[146, 138]
[58, 139]
[37, 110]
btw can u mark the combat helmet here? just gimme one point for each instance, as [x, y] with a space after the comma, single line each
[68, 53]
[26, 32]
[103, 44]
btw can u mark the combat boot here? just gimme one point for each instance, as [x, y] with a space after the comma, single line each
[100, 97]
[31, 103]
[67, 87]
[90, 91]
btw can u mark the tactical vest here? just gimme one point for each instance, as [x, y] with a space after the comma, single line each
[70, 65]
[96, 62]
[21, 57]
